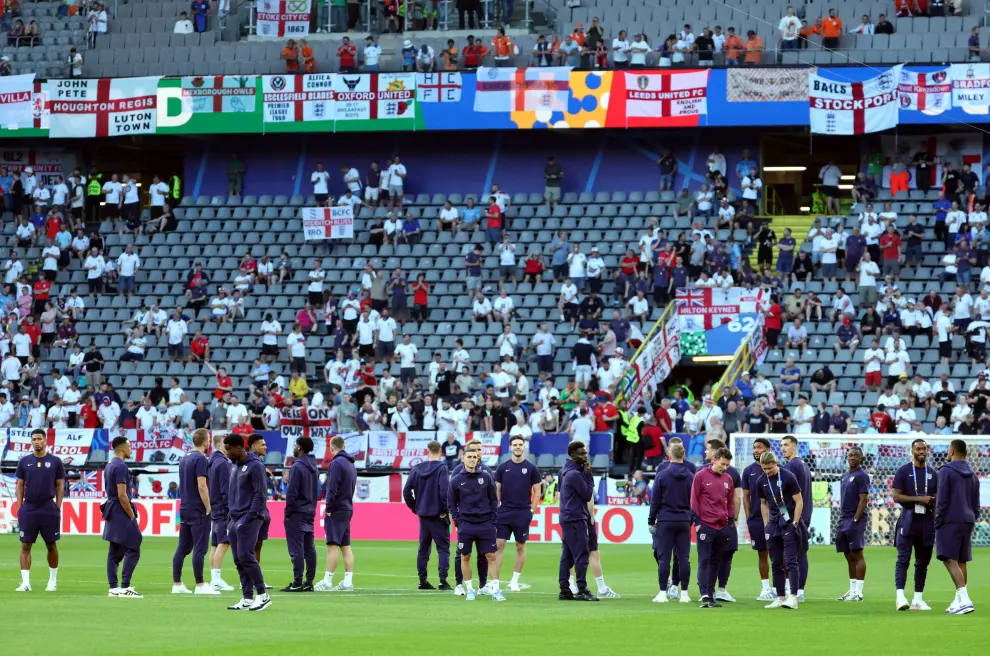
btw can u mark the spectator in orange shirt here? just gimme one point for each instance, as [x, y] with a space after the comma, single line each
[754, 48]
[306, 53]
[449, 55]
[733, 44]
[290, 55]
[831, 30]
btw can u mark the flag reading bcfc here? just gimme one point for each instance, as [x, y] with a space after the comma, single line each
[16, 98]
[522, 89]
[930, 93]
[103, 108]
[838, 107]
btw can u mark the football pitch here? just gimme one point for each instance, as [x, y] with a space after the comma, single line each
[386, 614]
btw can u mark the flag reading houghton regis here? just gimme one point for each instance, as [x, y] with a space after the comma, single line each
[656, 95]
[438, 87]
[214, 94]
[854, 107]
[283, 17]
[930, 93]
[16, 98]
[335, 222]
[375, 96]
[103, 108]
[295, 98]
[971, 87]
[522, 89]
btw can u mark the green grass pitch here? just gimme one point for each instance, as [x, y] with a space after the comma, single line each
[387, 615]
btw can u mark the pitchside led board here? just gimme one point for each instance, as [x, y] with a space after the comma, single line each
[848, 100]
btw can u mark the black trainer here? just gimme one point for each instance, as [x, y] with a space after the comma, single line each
[585, 595]
[565, 595]
[426, 585]
[445, 586]
[292, 587]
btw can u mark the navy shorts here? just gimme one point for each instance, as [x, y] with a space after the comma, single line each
[513, 522]
[218, 533]
[952, 542]
[338, 528]
[756, 535]
[43, 520]
[851, 536]
[592, 536]
[481, 534]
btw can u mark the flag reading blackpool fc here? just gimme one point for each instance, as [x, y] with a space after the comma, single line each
[839, 107]
[930, 93]
[522, 89]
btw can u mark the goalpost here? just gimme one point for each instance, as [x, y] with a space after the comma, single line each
[825, 455]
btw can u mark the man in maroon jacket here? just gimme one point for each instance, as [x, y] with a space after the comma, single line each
[712, 502]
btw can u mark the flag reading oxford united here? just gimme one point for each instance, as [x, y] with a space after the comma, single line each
[854, 107]
[335, 222]
[522, 89]
[930, 93]
[214, 94]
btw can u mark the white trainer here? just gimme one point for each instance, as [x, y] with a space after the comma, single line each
[920, 604]
[260, 602]
[180, 589]
[323, 586]
[776, 604]
[341, 587]
[23, 587]
[790, 603]
[221, 585]
[459, 590]
[723, 595]
[608, 593]
[514, 587]
[205, 590]
[767, 595]
[129, 593]
[51, 587]
[661, 598]
[684, 597]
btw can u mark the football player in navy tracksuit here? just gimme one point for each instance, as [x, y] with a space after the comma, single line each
[300, 512]
[425, 492]
[670, 520]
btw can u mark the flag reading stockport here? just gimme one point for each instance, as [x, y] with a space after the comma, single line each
[335, 222]
[103, 108]
[854, 107]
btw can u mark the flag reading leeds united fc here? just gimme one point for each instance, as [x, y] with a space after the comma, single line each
[295, 98]
[335, 222]
[283, 17]
[930, 93]
[219, 93]
[854, 107]
[360, 97]
[971, 87]
[522, 89]
[103, 108]
[16, 96]
[438, 87]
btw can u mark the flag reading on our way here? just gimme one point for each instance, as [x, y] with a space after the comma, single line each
[335, 222]
[930, 93]
[103, 108]
[971, 87]
[375, 96]
[283, 17]
[438, 87]
[297, 98]
[522, 89]
[656, 95]
[854, 107]
[219, 93]
[16, 98]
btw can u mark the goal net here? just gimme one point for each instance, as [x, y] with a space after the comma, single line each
[825, 456]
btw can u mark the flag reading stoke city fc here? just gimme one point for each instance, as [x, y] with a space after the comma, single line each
[840, 107]
[103, 108]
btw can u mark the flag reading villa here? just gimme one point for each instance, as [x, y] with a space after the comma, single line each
[16, 97]
[321, 223]
[854, 107]
[283, 17]
[103, 108]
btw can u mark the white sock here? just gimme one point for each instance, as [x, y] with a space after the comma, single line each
[515, 577]
[766, 584]
[26, 576]
[600, 580]
[963, 595]
[52, 574]
[852, 585]
[348, 578]
[328, 577]
[215, 575]
[469, 584]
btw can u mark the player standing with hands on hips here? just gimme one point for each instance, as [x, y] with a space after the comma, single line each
[339, 496]
[194, 511]
[247, 497]
[120, 527]
[850, 539]
[40, 488]
[474, 506]
[576, 487]
[425, 492]
[781, 506]
[713, 502]
[914, 487]
[956, 508]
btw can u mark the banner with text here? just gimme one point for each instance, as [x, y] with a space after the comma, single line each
[283, 18]
[104, 107]
[321, 223]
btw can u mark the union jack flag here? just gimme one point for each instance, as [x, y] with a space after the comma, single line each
[88, 486]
